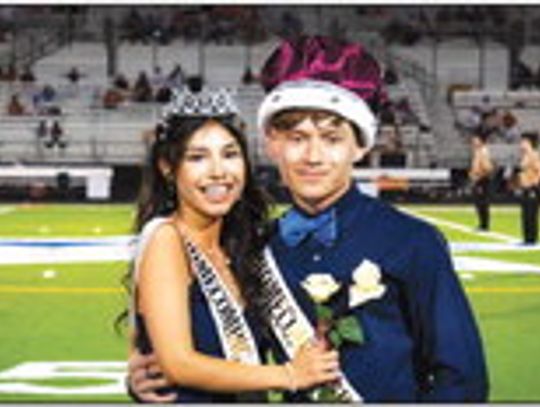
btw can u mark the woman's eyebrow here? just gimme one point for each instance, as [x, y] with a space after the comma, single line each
[196, 149]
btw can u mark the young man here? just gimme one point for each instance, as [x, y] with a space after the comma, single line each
[529, 183]
[480, 175]
[421, 342]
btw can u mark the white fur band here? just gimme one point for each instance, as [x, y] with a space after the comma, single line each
[312, 94]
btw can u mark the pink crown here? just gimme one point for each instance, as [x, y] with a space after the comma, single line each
[325, 59]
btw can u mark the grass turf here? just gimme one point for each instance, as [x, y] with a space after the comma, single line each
[70, 316]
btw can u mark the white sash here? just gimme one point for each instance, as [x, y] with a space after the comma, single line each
[234, 333]
[290, 325]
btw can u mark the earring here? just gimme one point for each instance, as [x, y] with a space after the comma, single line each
[169, 202]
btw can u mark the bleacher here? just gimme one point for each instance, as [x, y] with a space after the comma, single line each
[220, 65]
[113, 136]
[523, 104]
[116, 137]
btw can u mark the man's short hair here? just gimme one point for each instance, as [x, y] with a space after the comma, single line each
[290, 118]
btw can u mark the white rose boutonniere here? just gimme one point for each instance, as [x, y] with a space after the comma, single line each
[320, 287]
[367, 284]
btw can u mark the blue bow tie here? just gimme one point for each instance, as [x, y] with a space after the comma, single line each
[295, 227]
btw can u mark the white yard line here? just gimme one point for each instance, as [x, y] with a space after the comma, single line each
[467, 263]
[462, 228]
[121, 248]
[460, 247]
[459, 208]
[4, 210]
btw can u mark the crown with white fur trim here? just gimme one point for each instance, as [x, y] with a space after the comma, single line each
[319, 95]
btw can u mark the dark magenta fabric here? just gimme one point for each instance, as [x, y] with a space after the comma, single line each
[326, 59]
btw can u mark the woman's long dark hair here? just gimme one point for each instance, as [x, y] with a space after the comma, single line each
[245, 228]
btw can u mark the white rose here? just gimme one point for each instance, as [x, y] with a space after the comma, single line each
[320, 287]
[367, 284]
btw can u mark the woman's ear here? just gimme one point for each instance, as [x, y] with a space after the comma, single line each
[164, 168]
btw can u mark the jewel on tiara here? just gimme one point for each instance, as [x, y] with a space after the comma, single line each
[207, 102]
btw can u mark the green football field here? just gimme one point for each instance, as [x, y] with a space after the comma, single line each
[58, 343]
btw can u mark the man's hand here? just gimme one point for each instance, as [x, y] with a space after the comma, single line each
[145, 379]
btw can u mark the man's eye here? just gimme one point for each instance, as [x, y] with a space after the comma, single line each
[333, 138]
[295, 137]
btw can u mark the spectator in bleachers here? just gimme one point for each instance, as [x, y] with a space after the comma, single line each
[112, 98]
[121, 82]
[390, 75]
[291, 25]
[392, 150]
[529, 184]
[509, 128]
[27, 75]
[480, 175]
[158, 79]
[195, 83]
[405, 112]
[521, 76]
[133, 26]
[15, 106]
[486, 107]
[57, 137]
[247, 77]
[387, 114]
[45, 101]
[42, 130]
[490, 124]
[469, 121]
[74, 75]
[142, 91]
[164, 94]
[48, 93]
[176, 77]
[489, 117]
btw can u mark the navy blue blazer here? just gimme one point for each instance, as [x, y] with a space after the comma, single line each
[421, 340]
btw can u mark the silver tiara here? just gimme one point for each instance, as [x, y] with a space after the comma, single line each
[207, 102]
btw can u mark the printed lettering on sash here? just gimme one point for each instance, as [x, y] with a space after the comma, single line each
[234, 333]
[290, 325]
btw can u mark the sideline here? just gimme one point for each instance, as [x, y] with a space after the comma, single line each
[462, 228]
[5, 210]
[17, 289]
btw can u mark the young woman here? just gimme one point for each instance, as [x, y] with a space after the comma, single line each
[202, 221]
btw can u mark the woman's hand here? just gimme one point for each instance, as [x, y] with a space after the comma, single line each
[313, 365]
[145, 379]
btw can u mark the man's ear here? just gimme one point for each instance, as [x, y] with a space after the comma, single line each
[360, 153]
[272, 144]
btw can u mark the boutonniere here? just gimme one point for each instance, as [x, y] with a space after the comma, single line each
[367, 284]
[335, 323]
